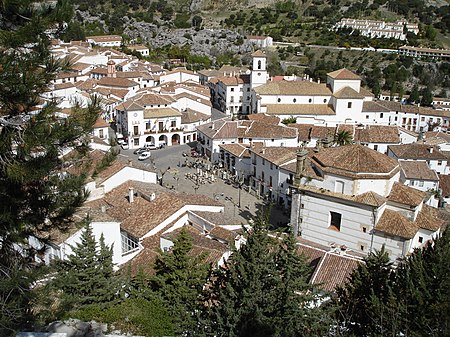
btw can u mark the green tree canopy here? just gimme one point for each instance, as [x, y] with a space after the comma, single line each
[262, 291]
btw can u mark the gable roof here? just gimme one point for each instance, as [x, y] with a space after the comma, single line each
[343, 74]
[377, 134]
[406, 195]
[417, 151]
[417, 170]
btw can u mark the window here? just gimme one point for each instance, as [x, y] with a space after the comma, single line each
[420, 183]
[136, 141]
[294, 100]
[339, 186]
[310, 100]
[100, 134]
[173, 124]
[279, 100]
[271, 166]
[232, 89]
[364, 229]
[420, 239]
[335, 221]
[375, 147]
[259, 64]
[324, 100]
[136, 130]
[349, 105]
[439, 162]
[367, 116]
[263, 162]
[302, 206]
[362, 248]
[381, 115]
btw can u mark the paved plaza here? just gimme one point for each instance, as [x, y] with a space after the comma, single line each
[194, 175]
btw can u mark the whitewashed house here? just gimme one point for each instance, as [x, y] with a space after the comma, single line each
[361, 205]
[434, 158]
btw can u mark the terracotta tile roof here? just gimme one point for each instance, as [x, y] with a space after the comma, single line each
[374, 200]
[116, 82]
[343, 74]
[334, 270]
[215, 218]
[261, 117]
[356, 161]
[80, 66]
[277, 155]
[99, 70]
[259, 53]
[141, 216]
[395, 106]
[308, 170]
[62, 86]
[299, 109]
[161, 112]
[237, 150]
[190, 116]
[100, 123]
[223, 234]
[417, 151]
[293, 88]
[406, 195]
[90, 83]
[348, 93]
[306, 132]
[374, 106]
[429, 218]
[393, 223]
[444, 184]
[234, 80]
[264, 130]
[331, 269]
[417, 170]
[377, 134]
[108, 172]
[370, 198]
[67, 74]
[438, 137]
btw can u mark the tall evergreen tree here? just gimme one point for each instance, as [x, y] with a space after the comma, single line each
[262, 291]
[87, 276]
[34, 197]
[178, 281]
[410, 300]
[423, 283]
[367, 304]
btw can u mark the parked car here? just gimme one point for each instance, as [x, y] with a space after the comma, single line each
[124, 146]
[140, 150]
[150, 146]
[144, 155]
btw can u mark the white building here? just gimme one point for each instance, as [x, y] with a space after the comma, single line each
[431, 155]
[219, 132]
[105, 40]
[260, 41]
[360, 204]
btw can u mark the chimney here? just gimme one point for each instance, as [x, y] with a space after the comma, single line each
[301, 158]
[430, 150]
[152, 196]
[131, 195]
[318, 80]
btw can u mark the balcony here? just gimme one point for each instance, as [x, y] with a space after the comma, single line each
[289, 181]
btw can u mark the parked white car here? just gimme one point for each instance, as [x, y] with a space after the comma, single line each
[144, 155]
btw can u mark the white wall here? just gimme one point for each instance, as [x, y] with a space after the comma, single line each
[128, 173]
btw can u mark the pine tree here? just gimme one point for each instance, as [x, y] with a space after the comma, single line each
[262, 291]
[178, 281]
[34, 197]
[367, 305]
[424, 285]
[87, 276]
